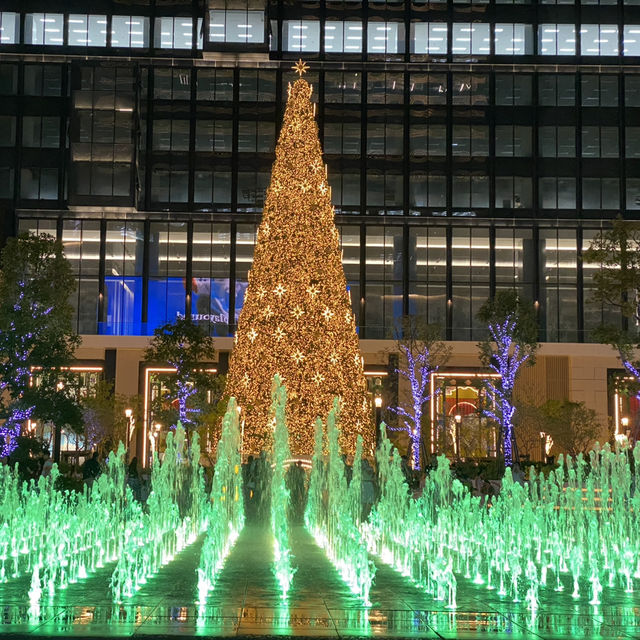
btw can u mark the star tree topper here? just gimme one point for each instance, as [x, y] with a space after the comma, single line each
[300, 67]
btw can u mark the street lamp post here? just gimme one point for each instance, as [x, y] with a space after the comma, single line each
[130, 423]
[57, 431]
[457, 419]
[377, 401]
[153, 436]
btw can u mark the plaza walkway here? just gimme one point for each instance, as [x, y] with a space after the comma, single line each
[246, 602]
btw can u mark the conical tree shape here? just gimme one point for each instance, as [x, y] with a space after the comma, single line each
[297, 320]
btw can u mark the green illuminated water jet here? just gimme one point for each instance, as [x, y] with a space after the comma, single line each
[280, 496]
[334, 522]
[224, 514]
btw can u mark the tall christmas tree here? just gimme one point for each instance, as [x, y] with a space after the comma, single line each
[297, 320]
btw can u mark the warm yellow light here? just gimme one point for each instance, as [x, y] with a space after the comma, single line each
[458, 418]
[378, 401]
[128, 413]
[297, 319]
[625, 422]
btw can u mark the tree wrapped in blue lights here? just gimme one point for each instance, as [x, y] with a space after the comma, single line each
[185, 347]
[422, 353]
[512, 342]
[36, 334]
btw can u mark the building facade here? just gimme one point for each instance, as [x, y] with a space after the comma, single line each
[471, 146]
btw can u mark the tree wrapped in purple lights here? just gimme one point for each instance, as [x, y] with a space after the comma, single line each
[512, 342]
[422, 353]
[184, 346]
[616, 288]
[36, 335]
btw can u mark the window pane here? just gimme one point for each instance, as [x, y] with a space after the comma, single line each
[513, 39]
[44, 28]
[385, 37]
[429, 37]
[236, 26]
[87, 30]
[130, 31]
[557, 39]
[9, 27]
[301, 35]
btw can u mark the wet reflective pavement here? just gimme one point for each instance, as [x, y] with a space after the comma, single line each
[246, 602]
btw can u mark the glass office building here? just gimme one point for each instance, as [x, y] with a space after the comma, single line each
[471, 146]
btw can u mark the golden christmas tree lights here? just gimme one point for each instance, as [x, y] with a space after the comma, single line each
[297, 320]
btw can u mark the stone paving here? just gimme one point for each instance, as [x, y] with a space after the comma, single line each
[246, 602]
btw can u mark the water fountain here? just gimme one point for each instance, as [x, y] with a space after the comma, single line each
[173, 519]
[224, 513]
[280, 497]
[334, 525]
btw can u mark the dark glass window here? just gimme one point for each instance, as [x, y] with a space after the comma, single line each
[215, 85]
[599, 142]
[39, 183]
[633, 194]
[632, 142]
[7, 131]
[8, 79]
[345, 189]
[256, 136]
[599, 90]
[559, 265]
[428, 88]
[41, 132]
[342, 138]
[257, 86]
[557, 142]
[384, 139]
[470, 140]
[172, 83]
[212, 187]
[557, 90]
[600, 193]
[513, 192]
[342, 87]
[169, 184]
[470, 190]
[385, 88]
[632, 91]
[513, 89]
[557, 193]
[427, 190]
[6, 182]
[170, 135]
[472, 89]
[42, 80]
[513, 141]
